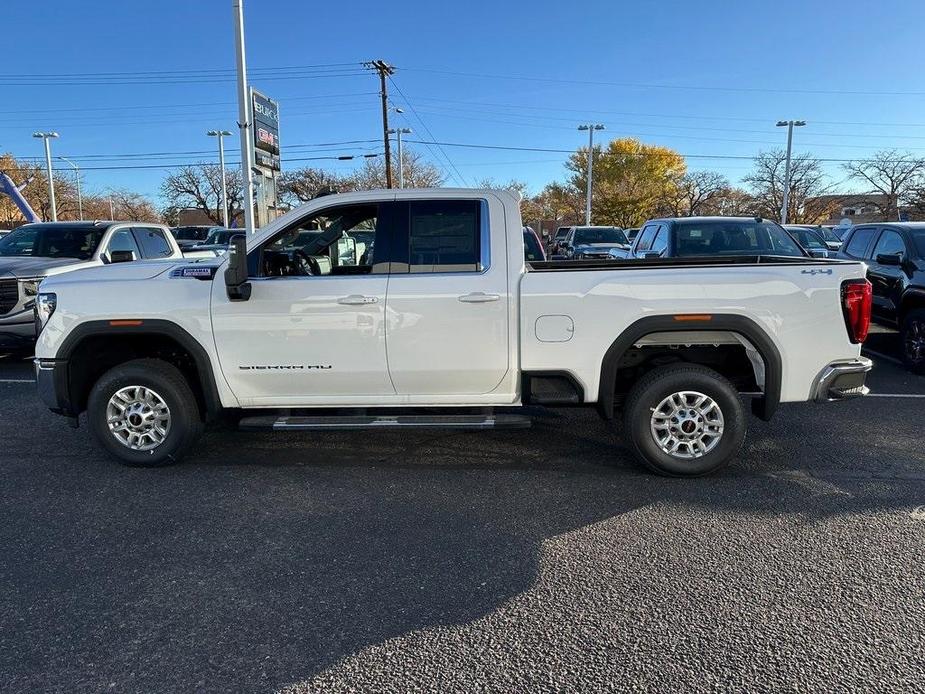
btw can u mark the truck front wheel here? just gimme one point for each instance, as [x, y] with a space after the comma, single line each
[144, 413]
[684, 420]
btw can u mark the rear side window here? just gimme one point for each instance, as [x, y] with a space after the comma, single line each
[444, 236]
[859, 242]
[153, 242]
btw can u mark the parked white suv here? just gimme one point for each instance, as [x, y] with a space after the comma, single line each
[33, 252]
[388, 308]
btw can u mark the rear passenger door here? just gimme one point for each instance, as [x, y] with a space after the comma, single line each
[448, 303]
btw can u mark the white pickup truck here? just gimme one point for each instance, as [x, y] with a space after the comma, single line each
[416, 308]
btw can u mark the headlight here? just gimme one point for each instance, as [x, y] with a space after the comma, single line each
[45, 305]
[30, 287]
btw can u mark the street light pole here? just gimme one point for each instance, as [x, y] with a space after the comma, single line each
[221, 134]
[398, 132]
[244, 117]
[80, 204]
[590, 127]
[51, 181]
[786, 204]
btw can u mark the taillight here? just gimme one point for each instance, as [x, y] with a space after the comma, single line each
[856, 299]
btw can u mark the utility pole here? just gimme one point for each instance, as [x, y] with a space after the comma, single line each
[80, 204]
[384, 70]
[398, 132]
[51, 181]
[785, 207]
[590, 127]
[221, 134]
[244, 117]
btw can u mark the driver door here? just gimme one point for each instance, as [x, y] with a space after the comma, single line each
[304, 338]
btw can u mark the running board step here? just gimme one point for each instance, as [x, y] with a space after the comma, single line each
[474, 421]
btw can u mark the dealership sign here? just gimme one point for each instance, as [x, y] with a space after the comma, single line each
[266, 130]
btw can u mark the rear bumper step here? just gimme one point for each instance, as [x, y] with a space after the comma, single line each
[335, 423]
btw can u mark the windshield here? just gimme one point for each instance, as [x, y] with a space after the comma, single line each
[599, 235]
[190, 233]
[219, 236]
[52, 241]
[808, 239]
[734, 237]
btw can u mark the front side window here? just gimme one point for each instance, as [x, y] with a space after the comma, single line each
[889, 243]
[646, 237]
[444, 236]
[153, 243]
[335, 241]
[122, 240]
[660, 243]
[52, 241]
[859, 242]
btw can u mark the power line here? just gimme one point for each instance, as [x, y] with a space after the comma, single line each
[644, 85]
[178, 72]
[458, 175]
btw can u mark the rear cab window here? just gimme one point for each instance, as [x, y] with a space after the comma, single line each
[734, 237]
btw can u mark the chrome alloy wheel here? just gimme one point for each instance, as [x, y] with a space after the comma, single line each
[687, 424]
[138, 418]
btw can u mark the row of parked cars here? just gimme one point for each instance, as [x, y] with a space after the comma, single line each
[33, 252]
[893, 251]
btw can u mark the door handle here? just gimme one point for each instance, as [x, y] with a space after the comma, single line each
[479, 298]
[357, 300]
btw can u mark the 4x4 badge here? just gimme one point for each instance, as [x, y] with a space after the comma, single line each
[827, 271]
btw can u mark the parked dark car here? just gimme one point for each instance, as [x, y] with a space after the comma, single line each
[533, 247]
[219, 239]
[711, 236]
[895, 257]
[594, 242]
[811, 240]
[824, 233]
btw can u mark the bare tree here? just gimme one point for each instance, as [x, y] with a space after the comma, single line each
[766, 181]
[200, 187]
[894, 174]
[133, 206]
[419, 173]
[696, 191]
[305, 184]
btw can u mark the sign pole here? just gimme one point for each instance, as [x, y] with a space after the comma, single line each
[244, 118]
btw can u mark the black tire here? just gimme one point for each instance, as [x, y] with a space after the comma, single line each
[652, 389]
[911, 332]
[171, 386]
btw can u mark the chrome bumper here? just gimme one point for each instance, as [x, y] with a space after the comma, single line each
[842, 380]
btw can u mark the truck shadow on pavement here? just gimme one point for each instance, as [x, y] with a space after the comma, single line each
[267, 559]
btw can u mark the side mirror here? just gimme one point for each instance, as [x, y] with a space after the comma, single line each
[122, 256]
[890, 258]
[236, 284]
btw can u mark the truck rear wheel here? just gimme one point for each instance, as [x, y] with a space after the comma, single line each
[144, 414]
[684, 420]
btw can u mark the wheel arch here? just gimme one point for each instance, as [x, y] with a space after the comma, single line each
[126, 336]
[764, 406]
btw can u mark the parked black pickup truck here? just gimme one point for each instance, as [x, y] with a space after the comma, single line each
[895, 257]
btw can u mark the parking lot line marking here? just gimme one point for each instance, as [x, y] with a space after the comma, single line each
[15, 380]
[880, 355]
[895, 395]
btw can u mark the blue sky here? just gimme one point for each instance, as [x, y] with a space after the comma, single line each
[705, 78]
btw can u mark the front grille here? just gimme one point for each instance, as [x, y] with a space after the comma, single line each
[9, 295]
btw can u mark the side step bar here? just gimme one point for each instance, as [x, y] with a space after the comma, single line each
[339, 423]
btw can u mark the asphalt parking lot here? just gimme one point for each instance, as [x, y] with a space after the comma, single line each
[535, 560]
